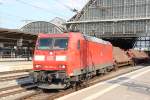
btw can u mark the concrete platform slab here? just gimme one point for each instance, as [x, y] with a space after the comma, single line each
[14, 66]
[131, 86]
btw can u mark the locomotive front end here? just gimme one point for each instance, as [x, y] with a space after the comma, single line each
[50, 62]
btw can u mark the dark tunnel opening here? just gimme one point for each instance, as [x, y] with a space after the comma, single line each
[124, 43]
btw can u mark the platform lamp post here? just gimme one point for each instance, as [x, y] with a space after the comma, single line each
[15, 54]
[19, 45]
[28, 49]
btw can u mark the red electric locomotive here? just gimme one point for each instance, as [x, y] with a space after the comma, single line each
[63, 59]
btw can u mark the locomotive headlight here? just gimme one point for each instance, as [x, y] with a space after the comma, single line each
[37, 66]
[62, 66]
[61, 58]
[39, 58]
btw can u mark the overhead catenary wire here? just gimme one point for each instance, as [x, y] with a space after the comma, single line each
[38, 7]
[13, 15]
[22, 19]
[19, 15]
[68, 7]
[34, 6]
[11, 19]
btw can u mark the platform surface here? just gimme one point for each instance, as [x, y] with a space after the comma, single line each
[15, 65]
[131, 86]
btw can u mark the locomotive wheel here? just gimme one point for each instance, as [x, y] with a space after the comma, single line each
[132, 63]
[105, 70]
[116, 68]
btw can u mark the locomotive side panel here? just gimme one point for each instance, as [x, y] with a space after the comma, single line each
[74, 55]
[99, 55]
[87, 56]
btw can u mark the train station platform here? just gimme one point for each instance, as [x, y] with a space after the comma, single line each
[131, 86]
[15, 66]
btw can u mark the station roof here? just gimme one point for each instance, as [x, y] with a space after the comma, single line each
[16, 34]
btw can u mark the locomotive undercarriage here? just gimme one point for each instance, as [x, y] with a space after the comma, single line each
[59, 80]
[51, 79]
[85, 76]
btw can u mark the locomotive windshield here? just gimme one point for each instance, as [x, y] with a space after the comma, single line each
[45, 43]
[53, 43]
[61, 43]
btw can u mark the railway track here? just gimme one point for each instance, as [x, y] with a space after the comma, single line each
[51, 94]
[13, 83]
[12, 76]
[22, 88]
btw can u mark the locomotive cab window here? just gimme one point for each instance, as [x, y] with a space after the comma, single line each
[53, 43]
[61, 43]
[45, 43]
